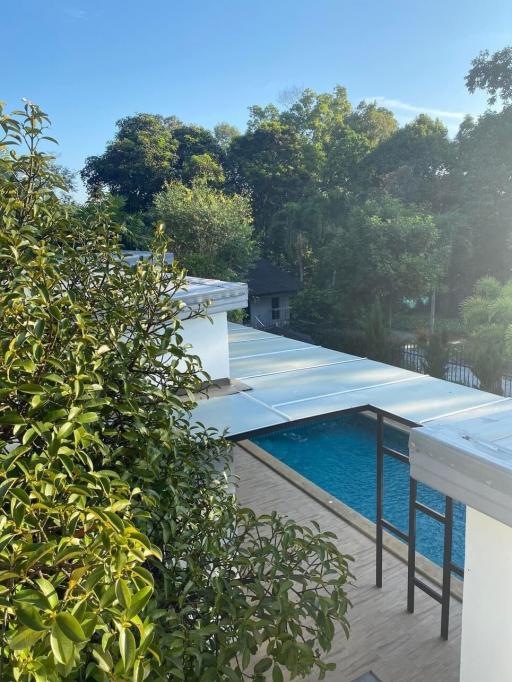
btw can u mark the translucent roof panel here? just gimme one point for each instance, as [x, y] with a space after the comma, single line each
[255, 347]
[317, 382]
[490, 421]
[238, 332]
[235, 414]
[286, 361]
[289, 380]
[429, 399]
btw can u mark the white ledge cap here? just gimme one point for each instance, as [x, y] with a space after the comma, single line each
[217, 295]
[469, 458]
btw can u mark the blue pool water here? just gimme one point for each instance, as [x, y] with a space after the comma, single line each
[339, 456]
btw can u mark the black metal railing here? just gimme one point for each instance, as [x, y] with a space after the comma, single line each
[409, 537]
[411, 356]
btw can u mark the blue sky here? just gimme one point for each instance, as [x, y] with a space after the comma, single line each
[90, 62]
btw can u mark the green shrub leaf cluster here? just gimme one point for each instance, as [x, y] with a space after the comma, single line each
[123, 553]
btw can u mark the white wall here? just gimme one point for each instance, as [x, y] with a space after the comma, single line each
[209, 340]
[487, 607]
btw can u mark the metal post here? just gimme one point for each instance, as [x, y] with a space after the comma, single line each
[411, 562]
[380, 496]
[447, 567]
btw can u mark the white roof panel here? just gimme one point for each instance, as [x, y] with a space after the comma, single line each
[277, 362]
[464, 448]
[238, 332]
[317, 382]
[255, 347]
[299, 380]
[235, 414]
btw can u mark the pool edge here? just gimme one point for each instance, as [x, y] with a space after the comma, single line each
[425, 567]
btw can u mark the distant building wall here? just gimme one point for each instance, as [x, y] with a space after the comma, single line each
[270, 311]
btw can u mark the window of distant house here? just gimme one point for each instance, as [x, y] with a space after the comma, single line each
[276, 313]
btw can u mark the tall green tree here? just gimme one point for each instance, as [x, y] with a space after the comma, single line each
[383, 251]
[210, 231]
[196, 143]
[414, 163]
[492, 73]
[147, 152]
[374, 122]
[224, 134]
[277, 165]
[314, 115]
[137, 163]
[484, 190]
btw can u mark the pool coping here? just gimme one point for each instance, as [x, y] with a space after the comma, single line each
[425, 567]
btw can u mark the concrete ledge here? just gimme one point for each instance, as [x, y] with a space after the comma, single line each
[425, 567]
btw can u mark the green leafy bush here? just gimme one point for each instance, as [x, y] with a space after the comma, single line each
[487, 315]
[210, 231]
[123, 555]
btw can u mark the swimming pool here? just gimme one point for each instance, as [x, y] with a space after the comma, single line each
[339, 456]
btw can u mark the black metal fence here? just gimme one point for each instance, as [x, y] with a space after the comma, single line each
[458, 370]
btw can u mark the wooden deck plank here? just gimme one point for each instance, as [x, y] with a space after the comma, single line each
[395, 645]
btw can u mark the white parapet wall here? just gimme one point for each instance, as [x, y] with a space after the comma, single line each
[206, 303]
[207, 334]
[208, 338]
[487, 606]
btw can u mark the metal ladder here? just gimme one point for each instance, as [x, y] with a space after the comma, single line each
[409, 538]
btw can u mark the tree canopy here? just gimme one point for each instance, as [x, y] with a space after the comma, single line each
[148, 151]
[314, 165]
[210, 232]
[492, 73]
[138, 162]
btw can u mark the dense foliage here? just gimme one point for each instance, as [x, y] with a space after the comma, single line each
[358, 208]
[210, 232]
[488, 318]
[123, 554]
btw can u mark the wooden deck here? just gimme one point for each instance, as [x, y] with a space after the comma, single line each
[395, 645]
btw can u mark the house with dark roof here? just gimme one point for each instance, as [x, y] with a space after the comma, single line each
[270, 290]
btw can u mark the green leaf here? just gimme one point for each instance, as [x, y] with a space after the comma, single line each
[277, 675]
[104, 659]
[127, 648]
[21, 495]
[6, 485]
[33, 598]
[138, 671]
[24, 639]
[9, 418]
[31, 388]
[70, 627]
[49, 591]
[263, 665]
[28, 365]
[62, 647]
[123, 593]
[65, 430]
[29, 616]
[39, 328]
[87, 417]
[139, 601]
